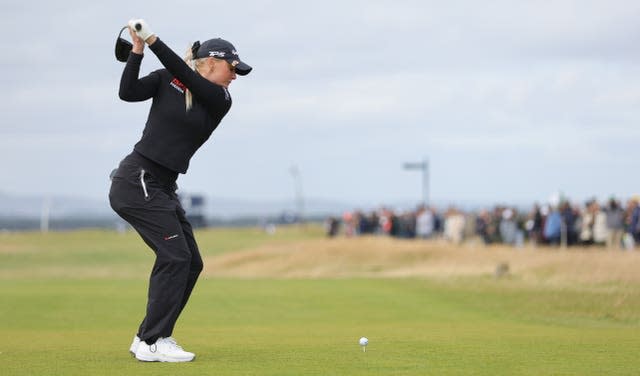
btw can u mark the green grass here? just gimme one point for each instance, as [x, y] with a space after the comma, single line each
[93, 254]
[72, 323]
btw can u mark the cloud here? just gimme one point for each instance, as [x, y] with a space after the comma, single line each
[345, 90]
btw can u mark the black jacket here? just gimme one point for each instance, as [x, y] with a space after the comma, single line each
[172, 135]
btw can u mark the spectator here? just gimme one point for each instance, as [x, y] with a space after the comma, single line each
[369, 223]
[615, 224]
[438, 222]
[599, 224]
[633, 219]
[385, 221]
[332, 226]
[349, 223]
[508, 227]
[585, 224]
[565, 224]
[424, 223]
[533, 225]
[569, 221]
[408, 225]
[374, 221]
[552, 227]
[483, 221]
[454, 226]
[395, 225]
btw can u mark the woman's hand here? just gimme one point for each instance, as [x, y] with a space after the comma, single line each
[138, 43]
[142, 29]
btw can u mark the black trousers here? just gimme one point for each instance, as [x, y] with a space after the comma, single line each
[156, 214]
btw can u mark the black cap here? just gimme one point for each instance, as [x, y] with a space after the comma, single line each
[221, 49]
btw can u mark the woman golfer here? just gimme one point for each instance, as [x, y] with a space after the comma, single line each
[190, 98]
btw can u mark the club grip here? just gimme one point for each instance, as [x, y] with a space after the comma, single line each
[138, 26]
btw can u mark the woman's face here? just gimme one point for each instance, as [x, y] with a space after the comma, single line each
[221, 72]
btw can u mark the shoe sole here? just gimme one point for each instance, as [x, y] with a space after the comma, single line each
[165, 360]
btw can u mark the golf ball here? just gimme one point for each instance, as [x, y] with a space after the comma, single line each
[364, 341]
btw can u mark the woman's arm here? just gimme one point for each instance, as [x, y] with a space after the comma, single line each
[212, 96]
[133, 89]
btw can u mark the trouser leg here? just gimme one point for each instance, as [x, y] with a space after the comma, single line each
[196, 264]
[195, 268]
[156, 216]
[168, 280]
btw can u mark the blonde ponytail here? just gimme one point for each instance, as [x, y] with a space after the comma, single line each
[188, 97]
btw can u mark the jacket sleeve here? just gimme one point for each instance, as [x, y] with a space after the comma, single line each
[134, 89]
[215, 98]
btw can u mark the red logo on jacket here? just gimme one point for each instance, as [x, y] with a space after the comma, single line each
[178, 85]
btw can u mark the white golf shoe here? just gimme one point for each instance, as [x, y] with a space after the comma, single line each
[164, 350]
[134, 345]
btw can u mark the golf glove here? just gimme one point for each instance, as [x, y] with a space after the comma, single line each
[141, 28]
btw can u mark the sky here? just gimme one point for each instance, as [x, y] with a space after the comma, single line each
[509, 101]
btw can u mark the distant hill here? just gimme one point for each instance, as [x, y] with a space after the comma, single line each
[74, 209]
[30, 206]
[23, 206]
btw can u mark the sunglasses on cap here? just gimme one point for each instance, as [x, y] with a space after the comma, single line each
[231, 66]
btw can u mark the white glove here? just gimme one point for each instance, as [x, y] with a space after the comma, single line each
[141, 28]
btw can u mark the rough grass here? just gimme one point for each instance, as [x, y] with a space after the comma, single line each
[386, 257]
[106, 254]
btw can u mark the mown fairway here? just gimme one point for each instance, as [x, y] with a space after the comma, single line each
[296, 304]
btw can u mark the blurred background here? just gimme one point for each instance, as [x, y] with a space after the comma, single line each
[351, 106]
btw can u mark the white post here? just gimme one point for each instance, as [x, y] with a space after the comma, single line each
[44, 215]
[299, 198]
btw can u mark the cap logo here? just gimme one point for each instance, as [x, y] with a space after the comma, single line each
[216, 53]
[234, 52]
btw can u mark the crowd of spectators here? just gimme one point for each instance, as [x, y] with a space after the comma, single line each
[612, 224]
